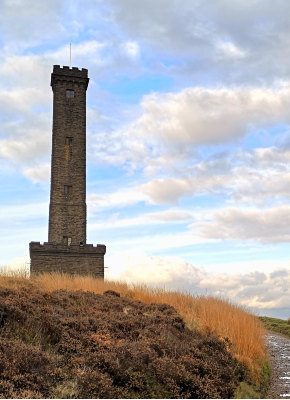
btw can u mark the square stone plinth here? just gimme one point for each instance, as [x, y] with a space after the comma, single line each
[74, 259]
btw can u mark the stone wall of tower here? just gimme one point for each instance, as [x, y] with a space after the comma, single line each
[67, 216]
[73, 260]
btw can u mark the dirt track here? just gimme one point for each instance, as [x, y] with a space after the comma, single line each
[279, 353]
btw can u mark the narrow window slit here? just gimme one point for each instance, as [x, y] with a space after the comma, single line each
[67, 190]
[66, 240]
[69, 141]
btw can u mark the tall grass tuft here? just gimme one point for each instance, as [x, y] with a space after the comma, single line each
[206, 313]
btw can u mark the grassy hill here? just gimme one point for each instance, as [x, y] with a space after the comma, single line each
[77, 337]
[276, 325]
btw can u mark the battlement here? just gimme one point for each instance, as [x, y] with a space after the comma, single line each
[73, 75]
[64, 248]
[70, 71]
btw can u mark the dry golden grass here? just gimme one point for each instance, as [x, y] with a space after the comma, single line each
[219, 316]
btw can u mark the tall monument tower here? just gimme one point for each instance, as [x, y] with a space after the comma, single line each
[67, 214]
[66, 249]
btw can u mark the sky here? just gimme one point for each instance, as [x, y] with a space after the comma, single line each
[188, 140]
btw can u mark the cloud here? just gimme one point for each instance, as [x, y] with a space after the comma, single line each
[132, 49]
[200, 116]
[167, 190]
[169, 215]
[29, 19]
[228, 49]
[117, 220]
[25, 131]
[136, 266]
[122, 198]
[227, 40]
[32, 146]
[14, 214]
[165, 138]
[265, 226]
[38, 174]
[252, 289]
[279, 273]
[38, 67]
[259, 176]
[24, 152]
[17, 266]
[170, 126]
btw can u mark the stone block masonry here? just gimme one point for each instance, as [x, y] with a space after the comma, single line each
[66, 249]
[73, 259]
[67, 215]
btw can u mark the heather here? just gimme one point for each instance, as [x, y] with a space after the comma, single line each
[84, 345]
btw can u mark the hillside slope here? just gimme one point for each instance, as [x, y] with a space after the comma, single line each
[76, 344]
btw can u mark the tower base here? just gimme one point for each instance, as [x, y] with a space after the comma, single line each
[74, 259]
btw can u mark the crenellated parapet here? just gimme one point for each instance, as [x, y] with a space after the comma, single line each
[67, 74]
[71, 249]
[70, 71]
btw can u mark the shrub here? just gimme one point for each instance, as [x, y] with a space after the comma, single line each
[86, 345]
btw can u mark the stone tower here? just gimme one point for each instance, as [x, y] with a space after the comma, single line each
[66, 249]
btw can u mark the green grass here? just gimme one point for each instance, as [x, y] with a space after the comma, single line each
[276, 325]
[252, 390]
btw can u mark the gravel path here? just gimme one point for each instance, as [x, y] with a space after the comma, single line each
[279, 353]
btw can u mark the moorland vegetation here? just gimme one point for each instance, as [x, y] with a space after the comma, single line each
[77, 337]
[276, 325]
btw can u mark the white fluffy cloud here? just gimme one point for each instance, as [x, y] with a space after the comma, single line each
[242, 186]
[172, 126]
[252, 289]
[200, 116]
[136, 266]
[265, 226]
[17, 266]
[118, 199]
[40, 173]
[259, 176]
